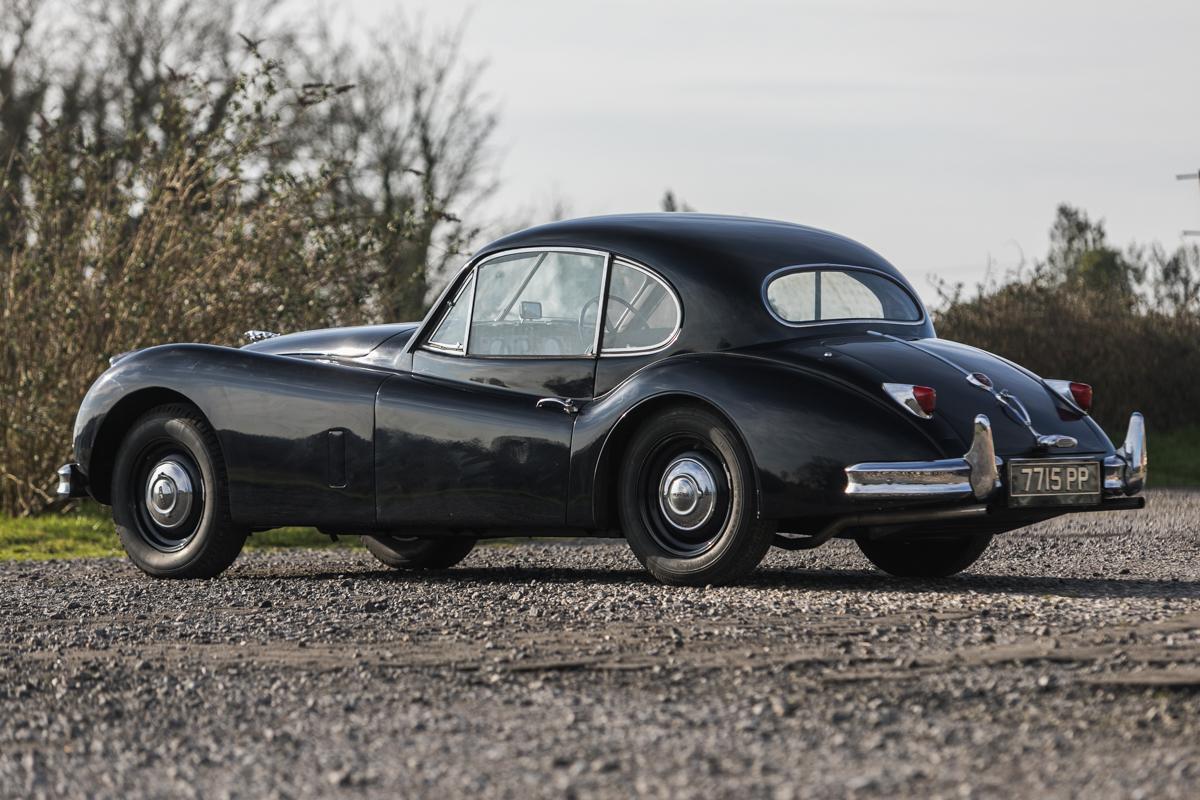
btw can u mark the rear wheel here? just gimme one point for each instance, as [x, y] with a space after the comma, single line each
[687, 501]
[416, 552]
[925, 558]
[169, 497]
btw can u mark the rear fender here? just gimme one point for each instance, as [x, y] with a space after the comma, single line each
[800, 428]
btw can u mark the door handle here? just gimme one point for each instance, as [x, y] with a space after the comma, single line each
[564, 404]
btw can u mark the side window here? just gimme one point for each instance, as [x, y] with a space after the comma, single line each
[642, 311]
[537, 304]
[451, 334]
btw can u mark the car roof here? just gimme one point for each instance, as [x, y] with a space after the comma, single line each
[717, 264]
[682, 242]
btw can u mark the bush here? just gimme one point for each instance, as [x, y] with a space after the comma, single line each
[182, 234]
[1137, 359]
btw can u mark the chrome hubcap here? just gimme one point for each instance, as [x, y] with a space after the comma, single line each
[687, 493]
[169, 494]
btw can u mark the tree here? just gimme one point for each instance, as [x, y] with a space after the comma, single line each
[670, 203]
[1081, 256]
[415, 136]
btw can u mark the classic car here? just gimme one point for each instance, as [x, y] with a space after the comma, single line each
[706, 387]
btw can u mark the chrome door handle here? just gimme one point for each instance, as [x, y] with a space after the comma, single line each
[564, 404]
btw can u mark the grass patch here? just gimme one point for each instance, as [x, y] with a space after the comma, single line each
[90, 534]
[1174, 456]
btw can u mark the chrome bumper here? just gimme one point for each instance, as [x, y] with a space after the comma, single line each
[1125, 470]
[71, 482]
[977, 474]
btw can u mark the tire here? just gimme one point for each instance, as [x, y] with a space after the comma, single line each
[400, 552]
[925, 558]
[169, 532]
[692, 453]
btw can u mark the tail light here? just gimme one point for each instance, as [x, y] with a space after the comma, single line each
[1074, 392]
[920, 401]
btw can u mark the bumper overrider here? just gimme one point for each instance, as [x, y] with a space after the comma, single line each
[976, 476]
[71, 482]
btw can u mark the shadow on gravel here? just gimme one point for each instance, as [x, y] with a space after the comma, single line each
[828, 580]
[776, 579]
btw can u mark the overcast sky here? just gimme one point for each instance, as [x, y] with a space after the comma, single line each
[941, 134]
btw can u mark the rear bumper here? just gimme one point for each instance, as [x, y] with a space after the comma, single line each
[71, 482]
[976, 476]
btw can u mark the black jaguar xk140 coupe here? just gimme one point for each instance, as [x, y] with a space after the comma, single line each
[704, 386]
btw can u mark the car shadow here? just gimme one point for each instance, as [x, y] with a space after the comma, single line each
[781, 579]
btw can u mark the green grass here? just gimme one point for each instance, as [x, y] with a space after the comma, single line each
[89, 534]
[1174, 457]
[1174, 461]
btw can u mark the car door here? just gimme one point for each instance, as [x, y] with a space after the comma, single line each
[479, 433]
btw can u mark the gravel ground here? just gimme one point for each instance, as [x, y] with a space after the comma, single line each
[1066, 663]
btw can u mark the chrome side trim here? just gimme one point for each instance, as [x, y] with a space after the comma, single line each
[976, 474]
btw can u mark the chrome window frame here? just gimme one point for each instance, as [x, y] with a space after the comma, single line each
[453, 303]
[782, 271]
[474, 268]
[658, 346]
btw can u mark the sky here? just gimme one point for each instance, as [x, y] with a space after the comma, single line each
[941, 134]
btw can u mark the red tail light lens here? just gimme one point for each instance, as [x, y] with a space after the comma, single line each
[1073, 391]
[926, 397]
[1082, 393]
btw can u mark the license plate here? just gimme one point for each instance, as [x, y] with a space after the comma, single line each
[1053, 482]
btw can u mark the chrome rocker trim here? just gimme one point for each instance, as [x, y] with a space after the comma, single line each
[976, 474]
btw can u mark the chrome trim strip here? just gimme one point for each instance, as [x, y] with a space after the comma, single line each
[840, 268]
[602, 302]
[976, 474]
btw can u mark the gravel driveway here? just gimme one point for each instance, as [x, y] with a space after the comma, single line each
[1066, 663]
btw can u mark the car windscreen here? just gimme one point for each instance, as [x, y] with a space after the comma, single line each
[805, 296]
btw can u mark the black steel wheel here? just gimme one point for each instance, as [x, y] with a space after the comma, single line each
[418, 552]
[687, 501]
[169, 496]
[925, 558]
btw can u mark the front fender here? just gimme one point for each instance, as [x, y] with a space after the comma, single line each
[276, 419]
[800, 427]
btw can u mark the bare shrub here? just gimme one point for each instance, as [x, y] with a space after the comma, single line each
[199, 237]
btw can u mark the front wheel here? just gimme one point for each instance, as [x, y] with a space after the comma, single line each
[415, 552]
[925, 558]
[687, 500]
[169, 497]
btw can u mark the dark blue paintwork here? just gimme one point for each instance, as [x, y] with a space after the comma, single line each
[359, 429]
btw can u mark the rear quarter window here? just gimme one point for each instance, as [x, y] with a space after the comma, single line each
[805, 296]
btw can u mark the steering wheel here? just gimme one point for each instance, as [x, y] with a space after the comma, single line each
[584, 338]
